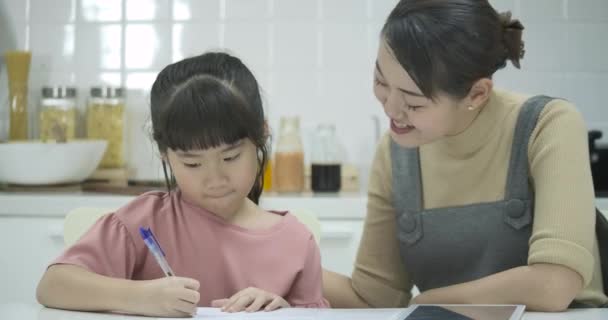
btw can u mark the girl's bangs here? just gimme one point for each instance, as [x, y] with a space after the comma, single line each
[206, 114]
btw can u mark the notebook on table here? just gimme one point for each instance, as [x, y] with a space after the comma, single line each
[465, 312]
[415, 312]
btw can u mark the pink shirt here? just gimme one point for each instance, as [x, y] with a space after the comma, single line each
[283, 259]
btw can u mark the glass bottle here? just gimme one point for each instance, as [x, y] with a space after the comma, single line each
[57, 116]
[18, 68]
[289, 157]
[105, 120]
[326, 160]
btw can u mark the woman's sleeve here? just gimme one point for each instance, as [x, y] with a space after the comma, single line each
[564, 204]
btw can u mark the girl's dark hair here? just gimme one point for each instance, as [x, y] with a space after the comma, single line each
[206, 101]
[447, 45]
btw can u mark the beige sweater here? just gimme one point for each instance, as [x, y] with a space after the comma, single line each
[472, 168]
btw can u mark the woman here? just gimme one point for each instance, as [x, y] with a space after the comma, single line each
[476, 195]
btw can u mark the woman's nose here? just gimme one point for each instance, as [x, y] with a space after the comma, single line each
[392, 107]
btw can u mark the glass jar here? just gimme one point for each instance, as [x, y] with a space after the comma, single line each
[105, 120]
[57, 116]
[326, 160]
[289, 157]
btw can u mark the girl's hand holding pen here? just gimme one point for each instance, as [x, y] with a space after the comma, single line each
[166, 297]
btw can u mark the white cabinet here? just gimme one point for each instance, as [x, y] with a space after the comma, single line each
[339, 244]
[28, 245]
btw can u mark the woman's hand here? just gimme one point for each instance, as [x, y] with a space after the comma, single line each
[251, 300]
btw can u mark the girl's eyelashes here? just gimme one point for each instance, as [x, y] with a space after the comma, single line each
[192, 165]
[232, 158]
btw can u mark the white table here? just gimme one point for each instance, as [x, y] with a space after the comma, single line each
[19, 311]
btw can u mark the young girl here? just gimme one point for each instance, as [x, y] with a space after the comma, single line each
[225, 251]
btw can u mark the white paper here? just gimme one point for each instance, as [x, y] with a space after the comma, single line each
[304, 314]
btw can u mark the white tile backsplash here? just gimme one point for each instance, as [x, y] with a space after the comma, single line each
[587, 10]
[300, 56]
[250, 41]
[588, 47]
[52, 47]
[293, 92]
[62, 11]
[547, 47]
[344, 10]
[148, 10]
[101, 10]
[344, 46]
[506, 5]
[256, 10]
[13, 11]
[289, 10]
[197, 10]
[99, 47]
[381, 9]
[147, 45]
[191, 39]
[541, 10]
[311, 58]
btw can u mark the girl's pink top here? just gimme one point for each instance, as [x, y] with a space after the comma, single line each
[283, 259]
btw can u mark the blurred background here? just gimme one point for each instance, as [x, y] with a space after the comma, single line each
[313, 59]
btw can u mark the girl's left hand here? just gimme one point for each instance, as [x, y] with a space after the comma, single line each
[251, 300]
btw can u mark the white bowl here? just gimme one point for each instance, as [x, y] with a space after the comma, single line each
[38, 163]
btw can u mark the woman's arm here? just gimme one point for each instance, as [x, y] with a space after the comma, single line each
[379, 278]
[338, 289]
[74, 288]
[541, 287]
[560, 261]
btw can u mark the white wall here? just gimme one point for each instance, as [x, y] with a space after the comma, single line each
[313, 58]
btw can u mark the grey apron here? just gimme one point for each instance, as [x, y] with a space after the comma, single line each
[451, 245]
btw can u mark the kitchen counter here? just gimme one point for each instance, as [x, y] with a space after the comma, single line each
[331, 206]
[325, 206]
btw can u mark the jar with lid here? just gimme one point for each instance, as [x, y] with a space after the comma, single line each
[105, 120]
[57, 115]
[289, 157]
[326, 160]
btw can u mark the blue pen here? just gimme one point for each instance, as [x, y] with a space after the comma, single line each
[156, 250]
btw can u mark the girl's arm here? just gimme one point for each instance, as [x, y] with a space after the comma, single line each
[75, 288]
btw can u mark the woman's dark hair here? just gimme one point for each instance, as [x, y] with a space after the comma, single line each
[205, 101]
[447, 45]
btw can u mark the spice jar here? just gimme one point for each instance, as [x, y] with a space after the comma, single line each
[105, 120]
[57, 113]
[289, 157]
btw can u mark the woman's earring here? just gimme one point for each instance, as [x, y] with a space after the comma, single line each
[471, 108]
